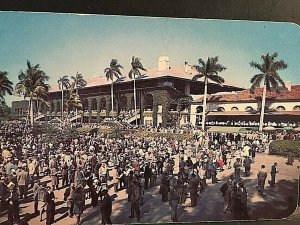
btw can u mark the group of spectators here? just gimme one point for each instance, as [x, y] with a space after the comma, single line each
[96, 167]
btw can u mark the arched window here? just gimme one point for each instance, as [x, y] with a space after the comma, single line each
[199, 109]
[94, 104]
[58, 104]
[123, 102]
[52, 106]
[102, 103]
[296, 108]
[86, 104]
[221, 109]
[148, 101]
[280, 108]
[234, 109]
[249, 109]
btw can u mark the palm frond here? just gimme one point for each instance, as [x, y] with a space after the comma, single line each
[197, 77]
[216, 78]
[257, 66]
[256, 82]
[255, 77]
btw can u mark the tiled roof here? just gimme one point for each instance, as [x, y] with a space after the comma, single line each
[177, 72]
[245, 95]
[255, 113]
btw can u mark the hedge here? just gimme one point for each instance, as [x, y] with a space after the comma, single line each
[283, 147]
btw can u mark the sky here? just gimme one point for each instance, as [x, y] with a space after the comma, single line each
[63, 44]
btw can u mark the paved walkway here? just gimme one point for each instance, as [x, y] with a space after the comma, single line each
[210, 204]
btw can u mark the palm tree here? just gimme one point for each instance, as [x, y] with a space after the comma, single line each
[73, 102]
[63, 83]
[78, 83]
[210, 71]
[5, 85]
[135, 73]
[32, 85]
[269, 76]
[110, 72]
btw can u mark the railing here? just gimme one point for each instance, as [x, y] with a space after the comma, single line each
[75, 117]
[39, 116]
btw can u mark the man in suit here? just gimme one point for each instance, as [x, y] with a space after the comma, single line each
[274, 171]
[174, 200]
[135, 199]
[106, 207]
[23, 181]
[193, 186]
[247, 165]
[237, 169]
[261, 177]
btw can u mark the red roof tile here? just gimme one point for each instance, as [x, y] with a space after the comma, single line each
[245, 95]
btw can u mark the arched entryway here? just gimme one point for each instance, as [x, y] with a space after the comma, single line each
[103, 104]
[85, 105]
[123, 103]
[148, 102]
[94, 104]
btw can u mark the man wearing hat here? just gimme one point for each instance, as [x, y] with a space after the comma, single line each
[193, 187]
[135, 199]
[247, 165]
[274, 171]
[12, 203]
[3, 191]
[23, 181]
[106, 207]
[174, 200]
[261, 177]
[237, 168]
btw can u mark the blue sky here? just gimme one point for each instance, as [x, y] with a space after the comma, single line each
[66, 43]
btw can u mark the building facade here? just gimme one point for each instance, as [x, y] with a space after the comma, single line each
[164, 97]
[243, 108]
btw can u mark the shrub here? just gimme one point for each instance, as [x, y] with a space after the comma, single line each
[283, 147]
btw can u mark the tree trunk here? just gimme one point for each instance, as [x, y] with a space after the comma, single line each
[112, 97]
[262, 112]
[76, 110]
[134, 95]
[31, 112]
[62, 102]
[204, 103]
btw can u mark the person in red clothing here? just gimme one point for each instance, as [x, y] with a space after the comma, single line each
[220, 164]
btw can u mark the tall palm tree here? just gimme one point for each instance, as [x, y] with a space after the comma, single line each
[5, 85]
[32, 85]
[135, 73]
[63, 83]
[269, 76]
[78, 83]
[114, 70]
[209, 70]
[73, 102]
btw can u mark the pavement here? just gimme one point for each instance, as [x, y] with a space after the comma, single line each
[273, 205]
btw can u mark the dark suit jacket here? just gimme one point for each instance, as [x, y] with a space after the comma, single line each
[106, 205]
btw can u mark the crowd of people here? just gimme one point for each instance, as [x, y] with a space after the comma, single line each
[93, 166]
